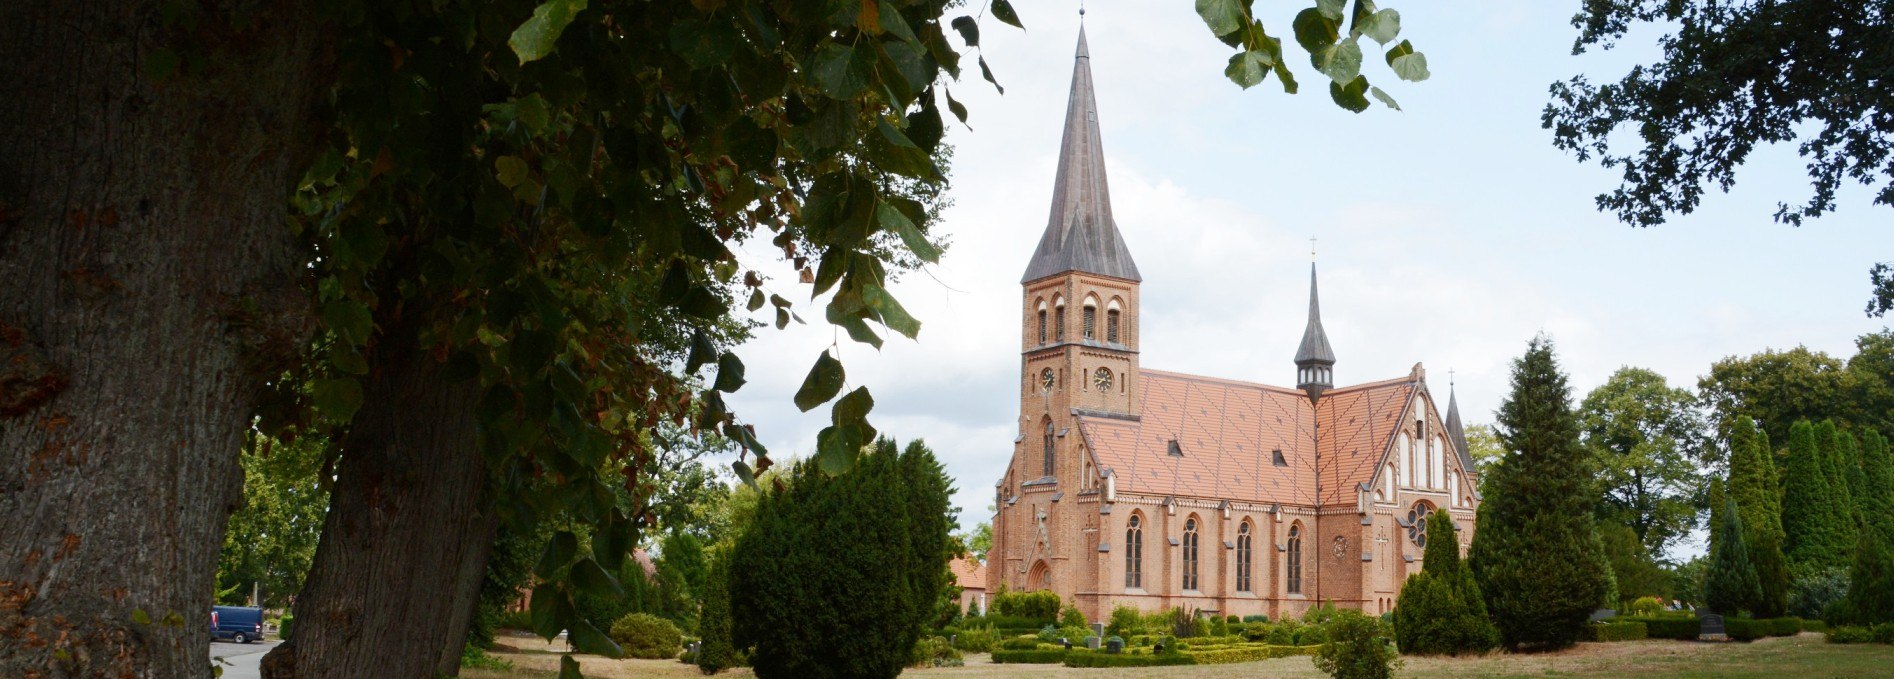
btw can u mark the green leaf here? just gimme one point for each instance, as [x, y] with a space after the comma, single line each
[1331, 8]
[533, 112]
[959, 109]
[729, 373]
[545, 609]
[1222, 16]
[842, 71]
[744, 473]
[534, 39]
[1350, 96]
[345, 358]
[338, 398]
[1315, 32]
[1385, 99]
[559, 551]
[853, 408]
[569, 668]
[892, 22]
[988, 74]
[837, 446]
[140, 616]
[1411, 67]
[590, 577]
[612, 543]
[890, 217]
[699, 301]
[756, 300]
[1003, 11]
[511, 169]
[782, 318]
[587, 639]
[891, 312]
[1248, 68]
[349, 320]
[702, 351]
[1341, 62]
[824, 381]
[1380, 26]
[969, 30]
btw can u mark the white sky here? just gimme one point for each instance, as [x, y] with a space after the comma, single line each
[1450, 233]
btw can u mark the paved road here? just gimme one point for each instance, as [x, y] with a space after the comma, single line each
[240, 661]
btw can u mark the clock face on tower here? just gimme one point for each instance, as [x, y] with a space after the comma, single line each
[1102, 379]
[1046, 380]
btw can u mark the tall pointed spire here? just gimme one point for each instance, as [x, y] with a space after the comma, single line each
[1456, 433]
[1315, 361]
[1081, 235]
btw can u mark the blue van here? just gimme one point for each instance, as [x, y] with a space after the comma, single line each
[241, 624]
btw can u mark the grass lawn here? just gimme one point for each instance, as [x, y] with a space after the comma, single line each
[1774, 658]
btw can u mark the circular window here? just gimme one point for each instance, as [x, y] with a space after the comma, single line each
[1417, 523]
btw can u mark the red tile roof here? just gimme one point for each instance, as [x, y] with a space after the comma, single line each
[1228, 432]
[968, 574]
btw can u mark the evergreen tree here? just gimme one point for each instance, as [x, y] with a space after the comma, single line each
[830, 578]
[1812, 519]
[1731, 586]
[1832, 442]
[1849, 456]
[1440, 610]
[1870, 599]
[1877, 471]
[1718, 497]
[1759, 507]
[716, 649]
[1536, 556]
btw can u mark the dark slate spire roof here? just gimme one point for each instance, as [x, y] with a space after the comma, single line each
[1314, 347]
[1456, 433]
[1080, 235]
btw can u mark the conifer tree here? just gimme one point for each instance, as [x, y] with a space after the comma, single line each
[1849, 456]
[1536, 556]
[1440, 610]
[1870, 598]
[1730, 586]
[716, 650]
[1877, 471]
[1832, 442]
[1753, 488]
[1812, 518]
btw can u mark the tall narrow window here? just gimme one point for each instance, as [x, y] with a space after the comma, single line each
[1190, 553]
[1090, 325]
[1042, 325]
[1111, 326]
[1294, 570]
[1404, 453]
[1243, 542]
[1058, 322]
[1134, 553]
[1048, 447]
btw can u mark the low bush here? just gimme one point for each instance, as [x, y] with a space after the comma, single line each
[473, 657]
[1813, 625]
[1785, 627]
[1615, 631]
[1220, 627]
[1312, 636]
[1746, 629]
[1086, 658]
[1647, 605]
[1014, 622]
[976, 639]
[1359, 647]
[647, 636]
[1049, 634]
[1071, 617]
[1040, 607]
[1037, 656]
[1850, 634]
[1232, 619]
[1321, 613]
[1255, 618]
[1284, 633]
[284, 625]
[1664, 627]
[1249, 653]
[1883, 633]
[1020, 644]
[1125, 621]
[935, 652]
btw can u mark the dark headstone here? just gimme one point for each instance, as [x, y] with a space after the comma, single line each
[1711, 627]
[1115, 645]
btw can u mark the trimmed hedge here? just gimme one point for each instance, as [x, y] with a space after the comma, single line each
[1037, 656]
[1682, 629]
[1745, 629]
[1814, 625]
[1615, 631]
[1089, 658]
[1849, 634]
[1020, 644]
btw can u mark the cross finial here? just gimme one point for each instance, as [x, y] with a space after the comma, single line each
[1450, 377]
[1081, 11]
[1311, 249]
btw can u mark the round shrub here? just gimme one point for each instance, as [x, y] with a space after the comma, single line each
[1646, 605]
[976, 639]
[1255, 618]
[1071, 617]
[1312, 635]
[1125, 621]
[647, 636]
[284, 625]
[1358, 648]
[1041, 607]
[1284, 633]
[1849, 634]
[1049, 634]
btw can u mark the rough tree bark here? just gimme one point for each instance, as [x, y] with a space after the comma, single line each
[147, 289]
[405, 543]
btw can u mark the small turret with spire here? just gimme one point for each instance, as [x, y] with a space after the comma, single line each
[1315, 361]
[1456, 432]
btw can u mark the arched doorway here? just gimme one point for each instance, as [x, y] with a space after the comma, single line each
[1040, 577]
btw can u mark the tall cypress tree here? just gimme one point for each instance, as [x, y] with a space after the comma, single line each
[1440, 611]
[1833, 444]
[1849, 456]
[717, 649]
[1730, 586]
[1536, 556]
[1877, 471]
[1812, 518]
[1870, 597]
[1753, 488]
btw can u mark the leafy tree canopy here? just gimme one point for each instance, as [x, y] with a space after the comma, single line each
[1646, 440]
[1776, 388]
[271, 540]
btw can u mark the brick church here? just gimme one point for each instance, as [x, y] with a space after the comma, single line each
[1137, 487]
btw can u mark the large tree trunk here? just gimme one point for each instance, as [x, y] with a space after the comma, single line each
[405, 544]
[147, 288]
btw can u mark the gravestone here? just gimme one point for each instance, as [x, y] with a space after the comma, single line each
[1098, 629]
[1091, 642]
[1711, 628]
[1115, 645]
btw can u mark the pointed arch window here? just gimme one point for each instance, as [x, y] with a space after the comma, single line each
[1048, 463]
[1111, 326]
[1090, 321]
[1134, 552]
[1244, 542]
[1190, 553]
[1294, 569]
[1404, 456]
[1042, 321]
[1058, 321]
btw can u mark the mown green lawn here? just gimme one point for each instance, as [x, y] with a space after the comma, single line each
[1775, 658]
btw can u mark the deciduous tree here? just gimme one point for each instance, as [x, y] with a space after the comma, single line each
[1646, 438]
[1776, 388]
